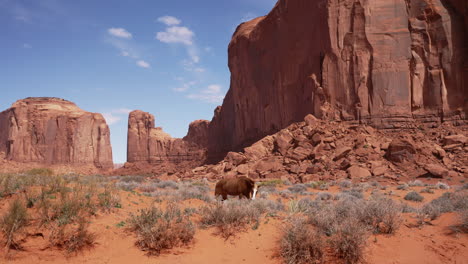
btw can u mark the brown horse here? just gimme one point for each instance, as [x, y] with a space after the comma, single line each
[241, 186]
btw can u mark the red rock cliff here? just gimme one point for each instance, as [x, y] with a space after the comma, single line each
[54, 131]
[152, 145]
[380, 62]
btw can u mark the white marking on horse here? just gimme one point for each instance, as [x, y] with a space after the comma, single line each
[254, 191]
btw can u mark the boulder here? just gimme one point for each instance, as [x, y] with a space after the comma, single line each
[311, 120]
[341, 153]
[235, 158]
[300, 153]
[454, 140]
[260, 149]
[400, 150]
[355, 172]
[436, 171]
[283, 141]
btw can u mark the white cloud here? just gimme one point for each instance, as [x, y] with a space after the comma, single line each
[120, 33]
[212, 94]
[169, 20]
[27, 46]
[212, 89]
[185, 86]
[143, 64]
[116, 115]
[176, 34]
[190, 66]
[111, 119]
[126, 48]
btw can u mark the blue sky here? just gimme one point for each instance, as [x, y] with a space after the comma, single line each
[165, 57]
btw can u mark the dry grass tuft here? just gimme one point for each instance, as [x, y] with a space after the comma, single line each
[229, 217]
[158, 230]
[12, 222]
[300, 244]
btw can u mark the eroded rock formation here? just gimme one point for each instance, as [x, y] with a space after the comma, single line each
[322, 150]
[50, 131]
[150, 144]
[382, 63]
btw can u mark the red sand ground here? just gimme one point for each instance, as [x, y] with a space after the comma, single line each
[428, 244]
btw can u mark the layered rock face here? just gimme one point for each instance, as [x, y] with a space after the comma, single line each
[54, 131]
[150, 144]
[382, 63]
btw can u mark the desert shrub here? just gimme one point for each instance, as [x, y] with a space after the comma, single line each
[426, 190]
[12, 222]
[324, 196]
[299, 244]
[403, 187]
[40, 172]
[229, 217]
[297, 188]
[187, 191]
[108, 199]
[448, 202]
[72, 238]
[345, 184]
[442, 186]
[349, 241]
[286, 194]
[167, 185]
[270, 183]
[293, 207]
[148, 187]
[463, 216]
[8, 185]
[127, 185]
[413, 196]
[406, 208]
[286, 182]
[267, 206]
[323, 187]
[265, 191]
[363, 186]
[428, 211]
[319, 185]
[354, 192]
[137, 179]
[158, 230]
[416, 183]
[382, 214]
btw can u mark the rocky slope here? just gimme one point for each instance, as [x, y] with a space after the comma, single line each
[315, 150]
[51, 131]
[150, 144]
[380, 63]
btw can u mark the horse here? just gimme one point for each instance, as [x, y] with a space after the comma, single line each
[240, 186]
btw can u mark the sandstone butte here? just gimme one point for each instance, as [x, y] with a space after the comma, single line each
[371, 62]
[53, 131]
[149, 144]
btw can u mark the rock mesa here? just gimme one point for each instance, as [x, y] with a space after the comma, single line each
[50, 131]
